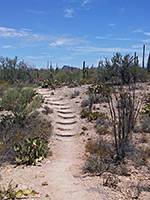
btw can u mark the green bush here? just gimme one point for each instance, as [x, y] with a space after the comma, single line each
[92, 115]
[32, 150]
[20, 101]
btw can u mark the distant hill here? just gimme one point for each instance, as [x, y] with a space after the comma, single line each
[68, 67]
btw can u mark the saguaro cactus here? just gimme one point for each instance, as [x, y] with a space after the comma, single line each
[51, 66]
[136, 61]
[148, 63]
[84, 70]
[143, 55]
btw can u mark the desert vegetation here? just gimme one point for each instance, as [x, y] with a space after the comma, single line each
[116, 104]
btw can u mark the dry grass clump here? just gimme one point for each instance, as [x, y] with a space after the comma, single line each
[102, 125]
[100, 157]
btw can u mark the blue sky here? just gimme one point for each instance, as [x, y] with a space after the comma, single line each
[70, 31]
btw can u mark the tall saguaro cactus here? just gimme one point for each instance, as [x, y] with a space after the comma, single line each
[143, 55]
[51, 66]
[136, 61]
[84, 70]
[148, 63]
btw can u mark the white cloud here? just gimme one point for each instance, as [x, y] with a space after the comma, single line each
[146, 41]
[85, 2]
[36, 12]
[137, 31]
[67, 42]
[11, 33]
[102, 38]
[137, 46]
[66, 58]
[146, 33]
[69, 13]
[63, 41]
[6, 47]
[123, 39]
[92, 49]
[112, 25]
[35, 57]
[23, 33]
[108, 38]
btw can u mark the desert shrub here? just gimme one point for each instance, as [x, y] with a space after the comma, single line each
[14, 132]
[85, 103]
[98, 92]
[98, 89]
[74, 94]
[100, 157]
[74, 84]
[45, 83]
[13, 71]
[102, 125]
[145, 124]
[95, 165]
[92, 99]
[32, 150]
[99, 148]
[20, 101]
[124, 70]
[92, 115]
[145, 155]
[68, 76]
[146, 108]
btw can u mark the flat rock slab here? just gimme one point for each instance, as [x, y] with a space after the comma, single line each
[57, 103]
[62, 107]
[66, 121]
[65, 133]
[66, 112]
[48, 98]
[66, 115]
[65, 127]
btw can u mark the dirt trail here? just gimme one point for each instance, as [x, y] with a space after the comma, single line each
[63, 172]
[59, 177]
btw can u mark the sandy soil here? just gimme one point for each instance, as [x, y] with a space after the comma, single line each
[60, 177]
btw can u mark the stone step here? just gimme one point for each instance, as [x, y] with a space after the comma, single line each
[65, 133]
[67, 127]
[57, 103]
[65, 112]
[66, 116]
[62, 107]
[48, 98]
[66, 121]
